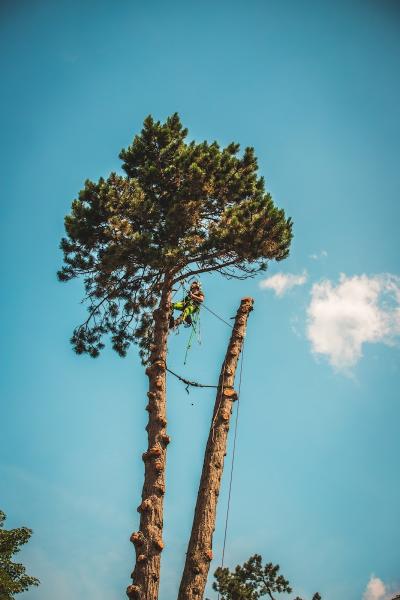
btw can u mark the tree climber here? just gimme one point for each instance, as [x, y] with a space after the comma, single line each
[188, 306]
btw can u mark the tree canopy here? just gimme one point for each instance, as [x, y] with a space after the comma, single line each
[252, 581]
[180, 208]
[13, 578]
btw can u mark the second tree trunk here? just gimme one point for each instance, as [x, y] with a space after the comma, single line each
[199, 554]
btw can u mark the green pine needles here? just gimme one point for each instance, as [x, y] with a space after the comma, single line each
[180, 208]
[252, 581]
[13, 578]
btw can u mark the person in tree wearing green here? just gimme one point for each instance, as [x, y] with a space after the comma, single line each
[188, 306]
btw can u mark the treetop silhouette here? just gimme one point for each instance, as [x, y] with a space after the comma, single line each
[181, 208]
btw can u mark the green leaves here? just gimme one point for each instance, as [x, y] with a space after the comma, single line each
[13, 578]
[181, 207]
[252, 581]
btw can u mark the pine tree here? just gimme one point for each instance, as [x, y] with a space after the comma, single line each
[252, 581]
[181, 208]
[13, 578]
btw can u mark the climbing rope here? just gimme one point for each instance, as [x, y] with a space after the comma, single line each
[195, 327]
[188, 382]
[233, 459]
[218, 317]
[196, 384]
[195, 331]
[210, 310]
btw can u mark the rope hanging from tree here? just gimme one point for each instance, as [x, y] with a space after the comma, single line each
[233, 457]
[209, 309]
[188, 383]
[195, 330]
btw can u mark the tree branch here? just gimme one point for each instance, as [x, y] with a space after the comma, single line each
[204, 270]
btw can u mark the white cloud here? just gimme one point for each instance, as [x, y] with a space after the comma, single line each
[322, 254]
[377, 590]
[358, 310]
[282, 282]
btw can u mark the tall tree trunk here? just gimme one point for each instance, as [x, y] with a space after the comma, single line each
[148, 540]
[199, 554]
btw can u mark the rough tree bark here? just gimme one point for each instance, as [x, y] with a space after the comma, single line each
[148, 540]
[199, 554]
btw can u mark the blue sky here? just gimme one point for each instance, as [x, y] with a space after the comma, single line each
[314, 87]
